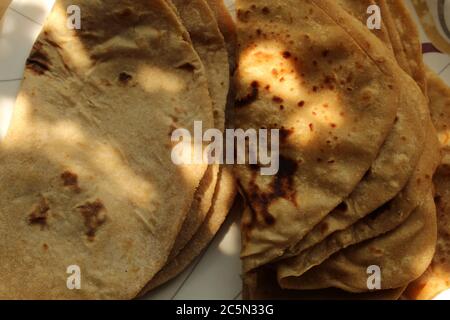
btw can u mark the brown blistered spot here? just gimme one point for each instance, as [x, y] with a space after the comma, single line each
[94, 217]
[281, 187]
[125, 78]
[45, 247]
[281, 107]
[70, 180]
[283, 183]
[39, 214]
[285, 134]
[333, 125]
[301, 104]
[267, 87]
[277, 99]
[249, 98]
[325, 53]
[243, 15]
[258, 32]
[38, 60]
[286, 54]
[315, 88]
[311, 127]
[265, 10]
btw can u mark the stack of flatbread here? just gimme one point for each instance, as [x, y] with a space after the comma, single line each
[92, 205]
[3, 6]
[351, 212]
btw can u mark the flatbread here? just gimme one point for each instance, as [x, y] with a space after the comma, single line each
[342, 228]
[291, 273]
[262, 285]
[402, 255]
[223, 201]
[437, 278]
[312, 269]
[226, 26]
[410, 41]
[359, 10]
[86, 171]
[3, 7]
[204, 32]
[322, 160]
[390, 171]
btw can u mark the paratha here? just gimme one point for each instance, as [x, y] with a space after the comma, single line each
[86, 169]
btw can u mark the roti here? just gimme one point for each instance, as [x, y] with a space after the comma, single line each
[437, 277]
[409, 40]
[262, 285]
[226, 26]
[89, 186]
[391, 170]
[322, 158]
[376, 224]
[204, 32]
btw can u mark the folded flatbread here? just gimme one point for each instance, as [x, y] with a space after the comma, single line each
[223, 200]
[333, 118]
[226, 26]
[204, 32]
[89, 189]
